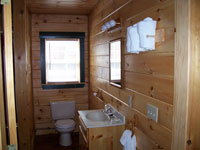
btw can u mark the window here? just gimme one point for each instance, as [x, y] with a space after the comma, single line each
[62, 59]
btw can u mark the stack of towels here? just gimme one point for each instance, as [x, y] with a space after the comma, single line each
[128, 141]
[141, 36]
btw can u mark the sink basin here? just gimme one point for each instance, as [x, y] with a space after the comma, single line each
[97, 116]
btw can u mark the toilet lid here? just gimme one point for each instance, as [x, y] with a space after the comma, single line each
[68, 123]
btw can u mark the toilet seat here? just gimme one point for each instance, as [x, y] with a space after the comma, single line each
[66, 123]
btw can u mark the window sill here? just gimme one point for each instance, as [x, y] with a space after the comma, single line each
[62, 86]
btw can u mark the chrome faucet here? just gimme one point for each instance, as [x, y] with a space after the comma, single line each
[108, 110]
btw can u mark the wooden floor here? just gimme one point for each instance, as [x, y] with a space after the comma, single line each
[50, 142]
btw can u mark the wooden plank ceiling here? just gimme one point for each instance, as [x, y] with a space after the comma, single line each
[61, 6]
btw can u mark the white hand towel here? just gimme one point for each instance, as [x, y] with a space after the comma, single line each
[135, 40]
[147, 32]
[125, 137]
[133, 43]
[131, 143]
[127, 141]
[128, 42]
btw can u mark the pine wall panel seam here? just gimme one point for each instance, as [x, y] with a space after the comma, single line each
[152, 87]
[149, 76]
[138, 120]
[140, 100]
[42, 98]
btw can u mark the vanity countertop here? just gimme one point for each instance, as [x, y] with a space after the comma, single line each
[98, 118]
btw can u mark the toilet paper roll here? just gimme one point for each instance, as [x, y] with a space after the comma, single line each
[103, 28]
[112, 23]
[108, 25]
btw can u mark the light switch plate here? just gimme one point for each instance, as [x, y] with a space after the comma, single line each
[130, 100]
[152, 112]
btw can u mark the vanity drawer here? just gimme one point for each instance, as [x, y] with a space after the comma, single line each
[83, 131]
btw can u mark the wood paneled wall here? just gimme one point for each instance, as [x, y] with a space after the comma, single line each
[42, 98]
[61, 6]
[148, 77]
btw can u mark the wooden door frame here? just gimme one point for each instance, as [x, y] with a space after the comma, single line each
[2, 105]
[186, 72]
[181, 74]
[9, 73]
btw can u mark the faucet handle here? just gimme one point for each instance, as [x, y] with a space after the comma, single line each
[107, 107]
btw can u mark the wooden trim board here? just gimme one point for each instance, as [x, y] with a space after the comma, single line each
[9, 74]
[182, 75]
[23, 81]
[186, 131]
[193, 130]
[2, 109]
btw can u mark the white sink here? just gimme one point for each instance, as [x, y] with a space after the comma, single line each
[97, 116]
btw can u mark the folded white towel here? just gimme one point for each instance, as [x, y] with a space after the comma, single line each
[128, 42]
[127, 141]
[133, 41]
[125, 136]
[131, 143]
[147, 32]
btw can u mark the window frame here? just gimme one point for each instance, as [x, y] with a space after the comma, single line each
[62, 35]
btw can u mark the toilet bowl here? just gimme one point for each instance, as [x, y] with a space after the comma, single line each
[64, 127]
[63, 113]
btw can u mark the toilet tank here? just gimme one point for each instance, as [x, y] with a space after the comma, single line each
[63, 110]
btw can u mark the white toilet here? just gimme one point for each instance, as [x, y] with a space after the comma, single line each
[63, 112]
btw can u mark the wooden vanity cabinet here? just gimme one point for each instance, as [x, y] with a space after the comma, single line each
[101, 138]
[83, 136]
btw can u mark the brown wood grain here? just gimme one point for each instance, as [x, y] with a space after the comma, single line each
[9, 72]
[41, 97]
[61, 6]
[23, 81]
[152, 9]
[106, 138]
[194, 111]
[148, 77]
[70, 19]
[2, 103]
[44, 122]
[186, 131]
[159, 88]
[139, 102]
[157, 134]
[151, 65]
[181, 76]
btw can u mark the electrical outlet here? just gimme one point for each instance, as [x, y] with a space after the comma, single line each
[152, 112]
[130, 100]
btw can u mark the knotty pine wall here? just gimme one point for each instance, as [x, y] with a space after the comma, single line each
[42, 98]
[148, 77]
